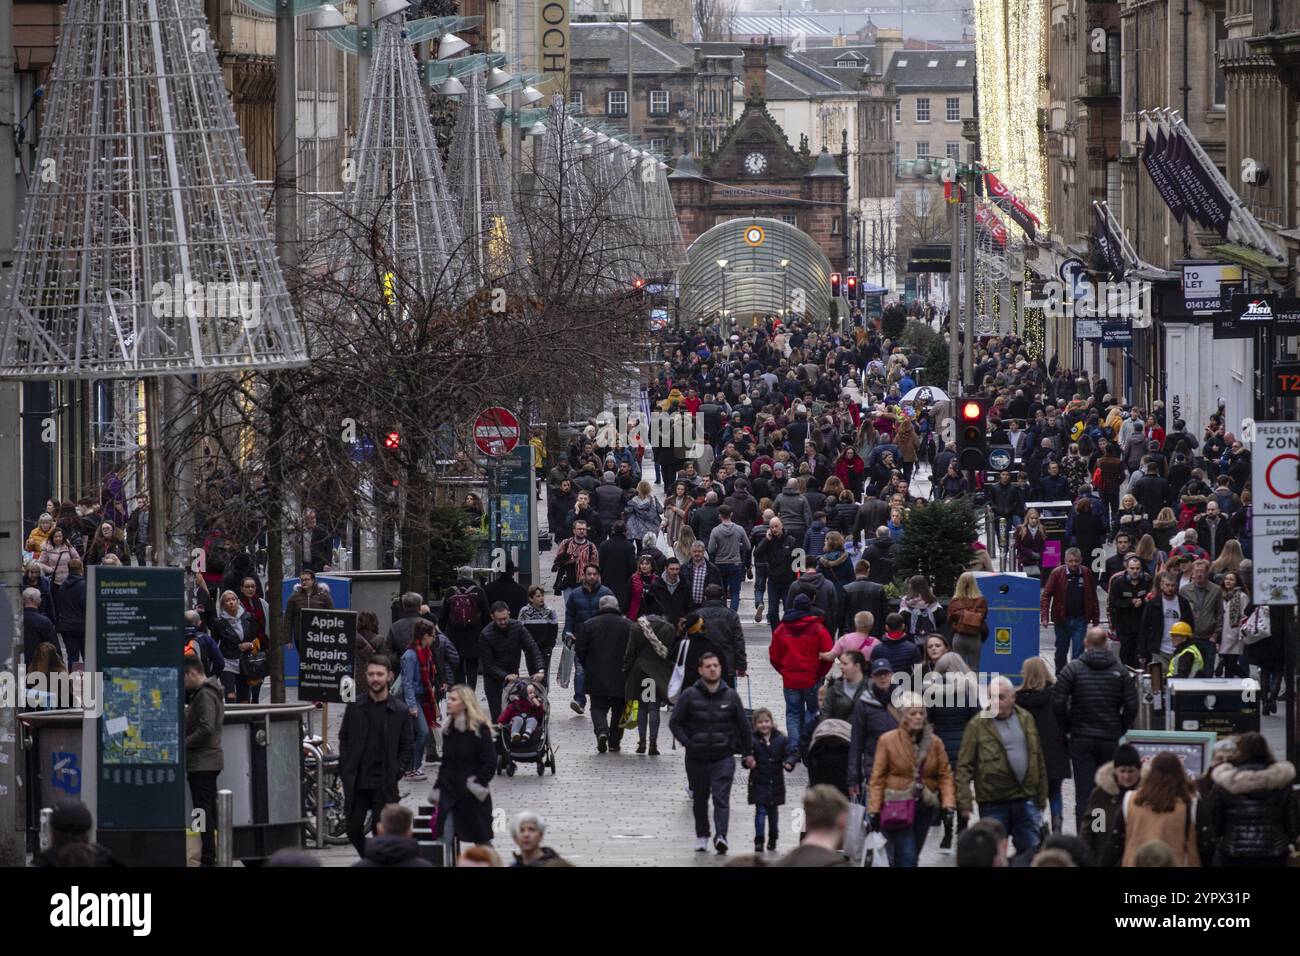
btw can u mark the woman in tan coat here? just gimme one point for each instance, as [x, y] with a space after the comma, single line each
[1163, 810]
[894, 777]
[909, 443]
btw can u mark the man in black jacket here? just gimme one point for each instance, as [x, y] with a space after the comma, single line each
[37, 629]
[463, 616]
[863, 594]
[1095, 702]
[1151, 491]
[777, 549]
[880, 555]
[375, 743]
[599, 647]
[70, 611]
[709, 721]
[670, 597]
[1007, 499]
[725, 631]
[1160, 613]
[499, 647]
[394, 843]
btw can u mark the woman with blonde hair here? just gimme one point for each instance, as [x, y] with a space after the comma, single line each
[1131, 518]
[1162, 808]
[1164, 528]
[1229, 559]
[1152, 558]
[685, 540]
[469, 762]
[1035, 696]
[968, 620]
[911, 779]
[1031, 540]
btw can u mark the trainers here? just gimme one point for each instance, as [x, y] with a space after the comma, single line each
[758, 613]
[576, 707]
[701, 844]
[720, 844]
[602, 744]
[415, 775]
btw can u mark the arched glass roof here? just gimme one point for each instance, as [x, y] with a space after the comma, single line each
[755, 267]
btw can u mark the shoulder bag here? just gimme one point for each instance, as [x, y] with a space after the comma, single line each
[898, 812]
[678, 677]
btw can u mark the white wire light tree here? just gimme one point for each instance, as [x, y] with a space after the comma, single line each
[481, 187]
[398, 236]
[143, 250]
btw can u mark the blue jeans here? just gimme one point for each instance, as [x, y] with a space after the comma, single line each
[765, 814]
[733, 576]
[579, 683]
[904, 846]
[800, 712]
[1069, 640]
[1020, 818]
[1054, 801]
[760, 584]
[421, 738]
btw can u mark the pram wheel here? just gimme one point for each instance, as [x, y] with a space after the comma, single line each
[541, 767]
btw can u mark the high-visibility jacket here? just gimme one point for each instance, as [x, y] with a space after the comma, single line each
[1198, 662]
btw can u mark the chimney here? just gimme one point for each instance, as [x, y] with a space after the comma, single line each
[755, 71]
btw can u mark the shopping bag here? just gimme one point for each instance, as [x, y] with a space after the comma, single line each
[565, 673]
[749, 703]
[855, 834]
[877, 854]
[628, 721]
[679, 672]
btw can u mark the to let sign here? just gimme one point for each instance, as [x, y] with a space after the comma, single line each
[329, 651]
[496, 431]
[1275, 484]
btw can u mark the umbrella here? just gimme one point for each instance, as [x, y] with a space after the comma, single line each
[926, 393]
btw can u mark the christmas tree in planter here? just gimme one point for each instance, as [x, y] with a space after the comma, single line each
[936, 543]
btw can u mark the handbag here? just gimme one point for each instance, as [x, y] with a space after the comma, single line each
[969, 621]
[255, 665]
[1257, 626]
[628, 720]
[899, 809]
[679, 672]
[565, 672]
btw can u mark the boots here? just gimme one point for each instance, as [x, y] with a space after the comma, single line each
[1057, 823]
[758, 844]
[946, 842]
[771, 840]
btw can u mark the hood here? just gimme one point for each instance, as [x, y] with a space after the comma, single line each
[1034, 698]
[1098, 660]
[814, 578]
[1253, 777]
[391, 850]
[801, 624]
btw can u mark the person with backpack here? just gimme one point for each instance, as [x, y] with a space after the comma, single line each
[198, 643]
[464, 615]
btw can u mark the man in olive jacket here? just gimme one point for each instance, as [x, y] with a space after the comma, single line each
[204, 759]
[1002, 756]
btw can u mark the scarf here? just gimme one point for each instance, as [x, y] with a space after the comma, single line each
[428, 671]
[647, 629]
[254, 607]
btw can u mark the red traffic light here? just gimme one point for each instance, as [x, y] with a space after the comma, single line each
[835, 285]
[971, 411]
[853, 282]
[393, 441]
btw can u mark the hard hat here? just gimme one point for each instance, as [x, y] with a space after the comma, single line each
[1181, 629]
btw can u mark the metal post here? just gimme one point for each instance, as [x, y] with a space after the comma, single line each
[954, 299]
[630, 128]
[365, 50]
[516, 131]
[225, 834]
[968, 350]
[13, 848]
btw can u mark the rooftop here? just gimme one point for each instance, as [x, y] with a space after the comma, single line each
[652, 51]
[932, 70]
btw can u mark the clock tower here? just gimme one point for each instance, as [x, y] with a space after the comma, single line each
[757, 173]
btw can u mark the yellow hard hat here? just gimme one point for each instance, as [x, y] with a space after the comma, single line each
[1181, 629]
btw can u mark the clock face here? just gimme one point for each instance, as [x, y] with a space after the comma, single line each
[755, 163]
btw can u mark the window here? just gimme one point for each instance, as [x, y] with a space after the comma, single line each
[923, 109]
[952, 109]
[932, 64]
[898, 154]
[788, 219]
[900, 63]
[659, 145]
[953, 151]
[835, 226]
[1113, 63]
[898, 112]
[616, 103]
[922, 148]
[960, 63]
[658, 102]
[1220, 34]
[575, 100]
[1114, 188]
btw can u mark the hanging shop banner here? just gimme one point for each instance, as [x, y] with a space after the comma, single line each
[1253, 310]
[1117, 335]
[1088, 330]
[553, 43]
[1153, 151]
[1201, 285]
[1179, 175]
[1106, 242]
[1011, 204]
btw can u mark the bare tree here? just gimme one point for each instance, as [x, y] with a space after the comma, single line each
[715, 19]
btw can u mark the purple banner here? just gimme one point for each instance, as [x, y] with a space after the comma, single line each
[1152, 150]
[1214, 206]
[1107, 245]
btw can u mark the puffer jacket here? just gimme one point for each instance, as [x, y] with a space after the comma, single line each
[983, 762]
[1254, 812]
[1095, 697]
[870, 721]
[767, 779]
[953, 708]
[711, 725]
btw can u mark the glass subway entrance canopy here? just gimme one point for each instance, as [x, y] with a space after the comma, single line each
[749, 268]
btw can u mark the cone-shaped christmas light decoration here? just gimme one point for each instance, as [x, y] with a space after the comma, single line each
[481, 188]
[143, 249]
[398, 226]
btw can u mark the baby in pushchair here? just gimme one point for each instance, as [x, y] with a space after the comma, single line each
[523, 712]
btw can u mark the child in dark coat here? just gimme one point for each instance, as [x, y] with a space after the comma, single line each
[767, 778]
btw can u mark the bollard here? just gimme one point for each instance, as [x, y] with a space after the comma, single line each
[46, 813]
[225, 829]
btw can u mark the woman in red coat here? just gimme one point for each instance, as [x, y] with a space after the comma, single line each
[851, 470]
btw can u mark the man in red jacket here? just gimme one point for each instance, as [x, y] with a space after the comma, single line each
[1069, 602]
[796, 645]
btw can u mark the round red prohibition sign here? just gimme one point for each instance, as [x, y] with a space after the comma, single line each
[496, 431]
[1268, 476]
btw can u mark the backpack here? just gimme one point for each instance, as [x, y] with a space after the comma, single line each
[196, 648]
[463, 608]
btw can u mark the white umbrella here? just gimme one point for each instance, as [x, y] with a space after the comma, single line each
[926, 393]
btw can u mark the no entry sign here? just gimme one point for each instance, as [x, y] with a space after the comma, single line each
[496, 431]
[1275, 460]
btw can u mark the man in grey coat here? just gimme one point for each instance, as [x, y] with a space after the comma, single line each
[793, 510]
[728, 548]
[204, 759]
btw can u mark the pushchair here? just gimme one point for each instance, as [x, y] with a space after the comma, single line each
[828, 754]
[535, 748]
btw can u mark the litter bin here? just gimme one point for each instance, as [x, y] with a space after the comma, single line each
[1222, 705]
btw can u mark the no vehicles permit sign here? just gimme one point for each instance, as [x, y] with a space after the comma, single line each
[1275, 484]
